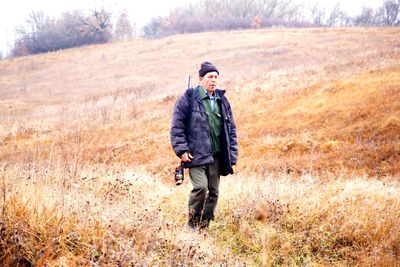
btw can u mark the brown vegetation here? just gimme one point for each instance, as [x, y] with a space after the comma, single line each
[87, 166]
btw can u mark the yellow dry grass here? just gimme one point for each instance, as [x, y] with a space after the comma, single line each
[86, 163]
[129, 218]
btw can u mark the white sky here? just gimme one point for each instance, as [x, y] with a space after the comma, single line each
[15, 11]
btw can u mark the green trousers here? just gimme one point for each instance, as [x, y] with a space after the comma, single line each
[204, 195]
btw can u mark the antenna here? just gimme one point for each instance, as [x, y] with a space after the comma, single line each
[188, 86]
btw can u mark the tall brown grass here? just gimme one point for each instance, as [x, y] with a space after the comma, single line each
[127, 217]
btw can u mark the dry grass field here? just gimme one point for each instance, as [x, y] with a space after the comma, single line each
[86, 164]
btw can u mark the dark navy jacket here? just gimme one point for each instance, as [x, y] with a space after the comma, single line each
[190, 131]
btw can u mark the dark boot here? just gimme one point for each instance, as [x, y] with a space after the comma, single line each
[204, 223]
[194, 220]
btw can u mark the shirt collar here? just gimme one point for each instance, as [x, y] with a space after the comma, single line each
[204, 94]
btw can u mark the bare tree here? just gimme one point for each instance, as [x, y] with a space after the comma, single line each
[124, 29]
[212, 8]
[97, 27]
[35, 22]
[388, 14]
[101, 20]
[337, 17]
[152, 29]
[366, 18]
[30, 34]
[184, 20]
[318, 15]
[267, 8]
[42, 34]
[241, 9]
[289, 11]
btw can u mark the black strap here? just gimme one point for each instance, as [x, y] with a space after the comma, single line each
[190, 94]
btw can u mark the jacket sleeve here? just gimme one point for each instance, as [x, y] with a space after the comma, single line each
[233, 147]
[178, 126]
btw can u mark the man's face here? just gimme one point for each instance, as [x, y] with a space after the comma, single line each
[209, 81]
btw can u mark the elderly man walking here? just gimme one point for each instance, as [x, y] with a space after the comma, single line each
[203, 135]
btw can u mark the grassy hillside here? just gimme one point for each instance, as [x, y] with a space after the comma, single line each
[86, 163]
[294, 82]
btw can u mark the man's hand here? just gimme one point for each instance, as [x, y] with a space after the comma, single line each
[186, 157]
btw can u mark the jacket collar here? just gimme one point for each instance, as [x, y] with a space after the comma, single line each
[220, 92]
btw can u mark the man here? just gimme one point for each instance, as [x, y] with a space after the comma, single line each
[203, 135]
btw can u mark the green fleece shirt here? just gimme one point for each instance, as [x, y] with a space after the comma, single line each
[214, 119]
